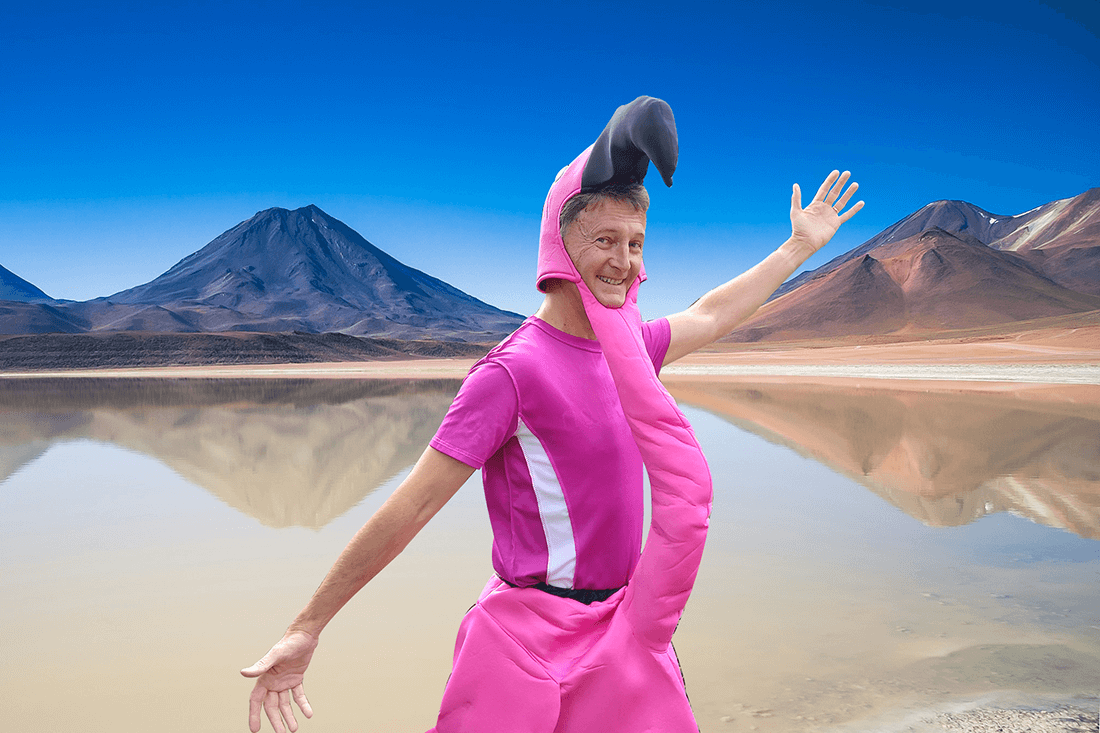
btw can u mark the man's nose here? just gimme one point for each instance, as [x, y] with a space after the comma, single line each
[620, 256]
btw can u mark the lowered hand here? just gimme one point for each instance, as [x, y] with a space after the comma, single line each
[279, 676]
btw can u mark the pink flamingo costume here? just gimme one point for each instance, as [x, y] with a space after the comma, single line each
[526, 660]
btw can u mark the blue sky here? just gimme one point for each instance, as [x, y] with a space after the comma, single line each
[134, 133]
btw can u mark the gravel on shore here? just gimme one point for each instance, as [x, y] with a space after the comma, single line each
[1004, 712]
[1061, 719]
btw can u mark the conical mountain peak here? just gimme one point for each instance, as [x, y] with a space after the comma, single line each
[304, 270]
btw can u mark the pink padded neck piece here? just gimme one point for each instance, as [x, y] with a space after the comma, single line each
[680, 479]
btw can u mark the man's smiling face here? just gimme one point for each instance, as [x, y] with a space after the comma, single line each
[605, 244]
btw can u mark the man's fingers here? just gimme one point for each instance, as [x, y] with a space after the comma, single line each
[843, 200]
[271, 707]
[820, 196]
[851, 212]
[796, 199]
[254, 701]
[299, 693]
[836, 188]
[287, 711]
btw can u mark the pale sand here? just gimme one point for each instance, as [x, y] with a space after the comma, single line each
[686, 368]
[1072, 357]
[1034, 373]
[924, 361]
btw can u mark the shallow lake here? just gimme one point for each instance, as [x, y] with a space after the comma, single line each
[876, 551]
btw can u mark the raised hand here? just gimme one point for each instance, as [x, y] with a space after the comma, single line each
[814, 226]
[280, 674]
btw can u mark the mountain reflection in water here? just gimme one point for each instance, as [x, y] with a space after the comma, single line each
[945, 457]
[286, 452]
[301, 452]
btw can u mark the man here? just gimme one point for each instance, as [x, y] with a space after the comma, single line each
[561, 427]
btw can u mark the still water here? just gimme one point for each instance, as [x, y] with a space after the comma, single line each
[875, 553]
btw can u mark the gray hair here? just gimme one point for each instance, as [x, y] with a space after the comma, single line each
[630, 193]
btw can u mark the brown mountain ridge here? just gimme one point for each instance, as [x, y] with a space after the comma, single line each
[948, 266]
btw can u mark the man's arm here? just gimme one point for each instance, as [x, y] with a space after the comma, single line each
[433, 481]
[724, 308]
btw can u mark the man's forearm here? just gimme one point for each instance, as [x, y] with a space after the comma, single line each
[376, 543]
[721, 310]
[724, 308]
[728, 305]
[433, 481]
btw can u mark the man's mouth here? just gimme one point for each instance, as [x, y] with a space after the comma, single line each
[609, 281]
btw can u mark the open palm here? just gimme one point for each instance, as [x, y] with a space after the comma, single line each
[812, 227]
[279, 676]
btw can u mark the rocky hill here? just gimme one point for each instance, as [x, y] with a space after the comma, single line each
[950, 265]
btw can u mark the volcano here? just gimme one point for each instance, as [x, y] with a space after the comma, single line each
[300, 270]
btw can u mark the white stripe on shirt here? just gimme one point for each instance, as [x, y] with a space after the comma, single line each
[561, 563]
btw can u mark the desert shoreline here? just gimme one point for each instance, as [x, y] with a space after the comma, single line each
[917, 376]
[786, 366]
[1042, 353]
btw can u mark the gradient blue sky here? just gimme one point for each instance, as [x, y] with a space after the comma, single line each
[134, 133]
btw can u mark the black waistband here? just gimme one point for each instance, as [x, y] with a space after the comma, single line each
[584, 595]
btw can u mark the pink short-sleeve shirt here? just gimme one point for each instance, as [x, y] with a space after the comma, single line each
[562, 474]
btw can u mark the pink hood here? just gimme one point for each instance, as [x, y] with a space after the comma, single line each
[554, 261]
[639, 132]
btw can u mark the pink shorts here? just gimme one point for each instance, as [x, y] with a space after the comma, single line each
[526, 660]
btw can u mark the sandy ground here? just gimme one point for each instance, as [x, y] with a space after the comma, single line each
[1070, 358]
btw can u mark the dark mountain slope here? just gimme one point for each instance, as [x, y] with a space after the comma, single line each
[13, 287]
[304, 270]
